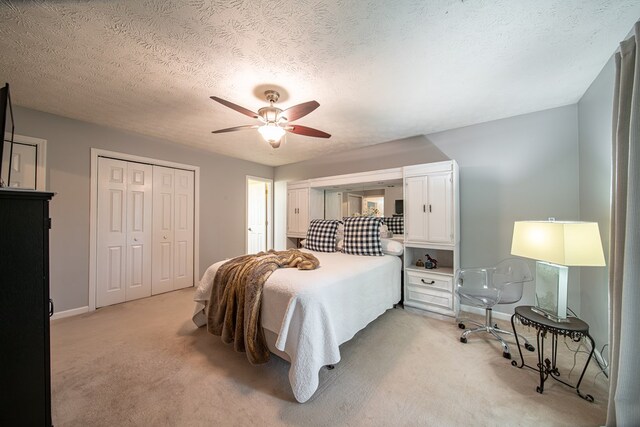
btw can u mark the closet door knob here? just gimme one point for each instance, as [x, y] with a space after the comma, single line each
[164, 237]
[135, 239]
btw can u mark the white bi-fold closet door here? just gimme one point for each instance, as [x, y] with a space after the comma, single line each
[144, 230]
[172, 229]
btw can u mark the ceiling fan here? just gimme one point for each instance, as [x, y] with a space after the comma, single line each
[276, 122]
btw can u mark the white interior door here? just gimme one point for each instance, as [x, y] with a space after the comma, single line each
[183, 229]
[333, 205]
[163, 230]
[354, 204]
[256, 216]
[139, 232]
[111, 232]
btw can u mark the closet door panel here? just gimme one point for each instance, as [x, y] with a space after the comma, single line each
[112, 233]
[183, 229]
[139, 230]
[163, 230]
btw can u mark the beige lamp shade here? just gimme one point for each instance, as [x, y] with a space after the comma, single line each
[559, 242]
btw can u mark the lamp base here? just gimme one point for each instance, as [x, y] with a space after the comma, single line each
[549, 316]
[551, 290]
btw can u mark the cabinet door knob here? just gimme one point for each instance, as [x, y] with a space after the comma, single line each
[164, 237]
[135, 239]
[428, 283]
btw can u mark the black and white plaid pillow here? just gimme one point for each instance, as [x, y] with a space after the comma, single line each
[321, 235]
[395, 224]
[362, 236]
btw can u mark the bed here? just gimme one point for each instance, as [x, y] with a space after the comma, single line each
[306, 315]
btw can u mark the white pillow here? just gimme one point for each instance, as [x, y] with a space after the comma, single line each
[384, 231]
[391, 247]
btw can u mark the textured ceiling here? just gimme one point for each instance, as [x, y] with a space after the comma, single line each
[381, 70]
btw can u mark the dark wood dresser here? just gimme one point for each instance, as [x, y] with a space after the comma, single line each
[25, 374]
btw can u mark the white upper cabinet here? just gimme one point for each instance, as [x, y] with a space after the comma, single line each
[429, 204]
[303, 205]
[297, 211]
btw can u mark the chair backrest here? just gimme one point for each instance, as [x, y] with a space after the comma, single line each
[510, 276]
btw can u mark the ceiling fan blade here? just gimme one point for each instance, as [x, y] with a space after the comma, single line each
[307, 131]
[300, 110]
[235, 128]
[238, 108]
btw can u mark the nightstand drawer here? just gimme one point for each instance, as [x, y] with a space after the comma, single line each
[423, 294]
[433, 281]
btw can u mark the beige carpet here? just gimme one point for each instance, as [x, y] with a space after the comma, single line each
[144, 363]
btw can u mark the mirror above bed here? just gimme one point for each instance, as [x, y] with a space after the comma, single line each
[376, 193]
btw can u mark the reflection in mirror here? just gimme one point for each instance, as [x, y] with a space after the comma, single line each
[332, 204]
[382, 198]
[21, 173]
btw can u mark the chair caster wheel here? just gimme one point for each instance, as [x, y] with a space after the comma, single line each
[506, 355]
[529, 347]
[461, 326]
[463, 340]
[514, 363]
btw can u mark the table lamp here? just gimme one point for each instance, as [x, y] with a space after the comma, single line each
[556, 245]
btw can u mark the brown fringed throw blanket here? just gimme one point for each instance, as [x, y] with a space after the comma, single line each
[236, 296]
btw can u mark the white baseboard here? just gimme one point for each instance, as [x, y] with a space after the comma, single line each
[481, 312]
[69, 313]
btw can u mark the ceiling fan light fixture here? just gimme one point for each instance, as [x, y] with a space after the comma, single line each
[272, 133]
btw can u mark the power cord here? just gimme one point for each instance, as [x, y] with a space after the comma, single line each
[603, 365]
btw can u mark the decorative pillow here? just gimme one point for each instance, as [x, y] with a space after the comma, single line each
[362, 236]
[395, 224]
[391, 247]
[321, 235]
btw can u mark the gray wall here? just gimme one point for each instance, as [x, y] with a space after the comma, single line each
[595, 130]
[222, 194]
[519, 168]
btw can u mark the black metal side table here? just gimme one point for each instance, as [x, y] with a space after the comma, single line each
[573, 328]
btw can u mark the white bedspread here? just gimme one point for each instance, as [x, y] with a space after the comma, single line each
[313, 312]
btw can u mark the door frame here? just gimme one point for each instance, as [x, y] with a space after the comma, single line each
[93, 211]
[269, 236]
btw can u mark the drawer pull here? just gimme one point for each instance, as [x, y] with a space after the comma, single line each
[428, 283]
